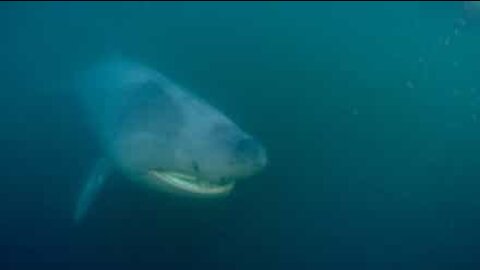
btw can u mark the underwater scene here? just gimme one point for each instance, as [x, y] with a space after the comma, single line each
[240, 135]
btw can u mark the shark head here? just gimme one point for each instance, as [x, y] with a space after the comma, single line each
[174, 141]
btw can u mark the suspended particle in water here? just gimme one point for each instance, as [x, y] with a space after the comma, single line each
[409, 84]
[455, 64]
[447, 41]
[456, 32]
[460, 22]
[355, 111]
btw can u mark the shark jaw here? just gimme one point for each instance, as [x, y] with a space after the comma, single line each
[192, 184]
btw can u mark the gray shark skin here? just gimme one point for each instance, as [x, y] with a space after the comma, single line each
[156, 133]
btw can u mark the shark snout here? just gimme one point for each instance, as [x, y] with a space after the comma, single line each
[249, 150]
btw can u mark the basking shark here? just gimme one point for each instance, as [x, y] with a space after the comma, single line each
[156, 133]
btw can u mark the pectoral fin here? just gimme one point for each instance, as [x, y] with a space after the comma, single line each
[92, 186]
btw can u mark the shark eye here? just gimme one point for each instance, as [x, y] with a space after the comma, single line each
[195, 166]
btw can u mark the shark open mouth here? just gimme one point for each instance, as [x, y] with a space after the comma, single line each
[193, 184]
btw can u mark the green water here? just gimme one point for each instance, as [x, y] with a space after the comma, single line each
[370, 113]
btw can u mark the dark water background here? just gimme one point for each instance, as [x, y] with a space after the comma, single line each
[370, 113]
